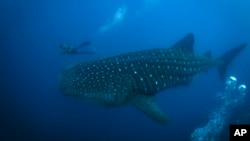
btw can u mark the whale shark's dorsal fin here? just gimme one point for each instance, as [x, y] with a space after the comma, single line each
[185, 44]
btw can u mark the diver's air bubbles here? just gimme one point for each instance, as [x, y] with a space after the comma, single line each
[232, 96]
[231, 83]
[231, 80]
[242, 88]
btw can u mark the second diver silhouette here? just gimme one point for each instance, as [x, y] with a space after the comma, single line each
[69, 49]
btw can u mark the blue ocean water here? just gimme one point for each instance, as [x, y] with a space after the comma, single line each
[32, 108]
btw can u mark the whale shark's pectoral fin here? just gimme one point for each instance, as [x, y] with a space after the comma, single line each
[146, 104]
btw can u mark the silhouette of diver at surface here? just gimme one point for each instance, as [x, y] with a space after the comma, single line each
[69, 49]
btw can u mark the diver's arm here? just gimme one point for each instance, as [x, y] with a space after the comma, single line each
[68, 49]
[86, 43]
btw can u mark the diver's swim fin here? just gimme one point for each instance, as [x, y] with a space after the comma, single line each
[227, 57]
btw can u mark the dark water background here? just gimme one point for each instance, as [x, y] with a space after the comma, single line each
[32, 108]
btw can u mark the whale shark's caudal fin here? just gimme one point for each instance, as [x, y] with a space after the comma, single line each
[146, 104]
[227, 57]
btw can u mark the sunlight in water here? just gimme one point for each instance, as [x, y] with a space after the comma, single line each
[118, 17]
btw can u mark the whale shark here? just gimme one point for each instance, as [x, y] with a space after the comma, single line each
[135, 78]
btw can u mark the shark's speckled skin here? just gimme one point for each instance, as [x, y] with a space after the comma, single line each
[134, 78]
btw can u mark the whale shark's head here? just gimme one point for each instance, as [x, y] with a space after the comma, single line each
[89, 81]
[71, 82]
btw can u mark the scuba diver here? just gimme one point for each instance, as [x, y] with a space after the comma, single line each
[69, 49]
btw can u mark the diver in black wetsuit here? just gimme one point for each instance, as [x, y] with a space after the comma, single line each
[69, 49]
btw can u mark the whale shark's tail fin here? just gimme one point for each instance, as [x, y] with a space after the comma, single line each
[227, 57]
